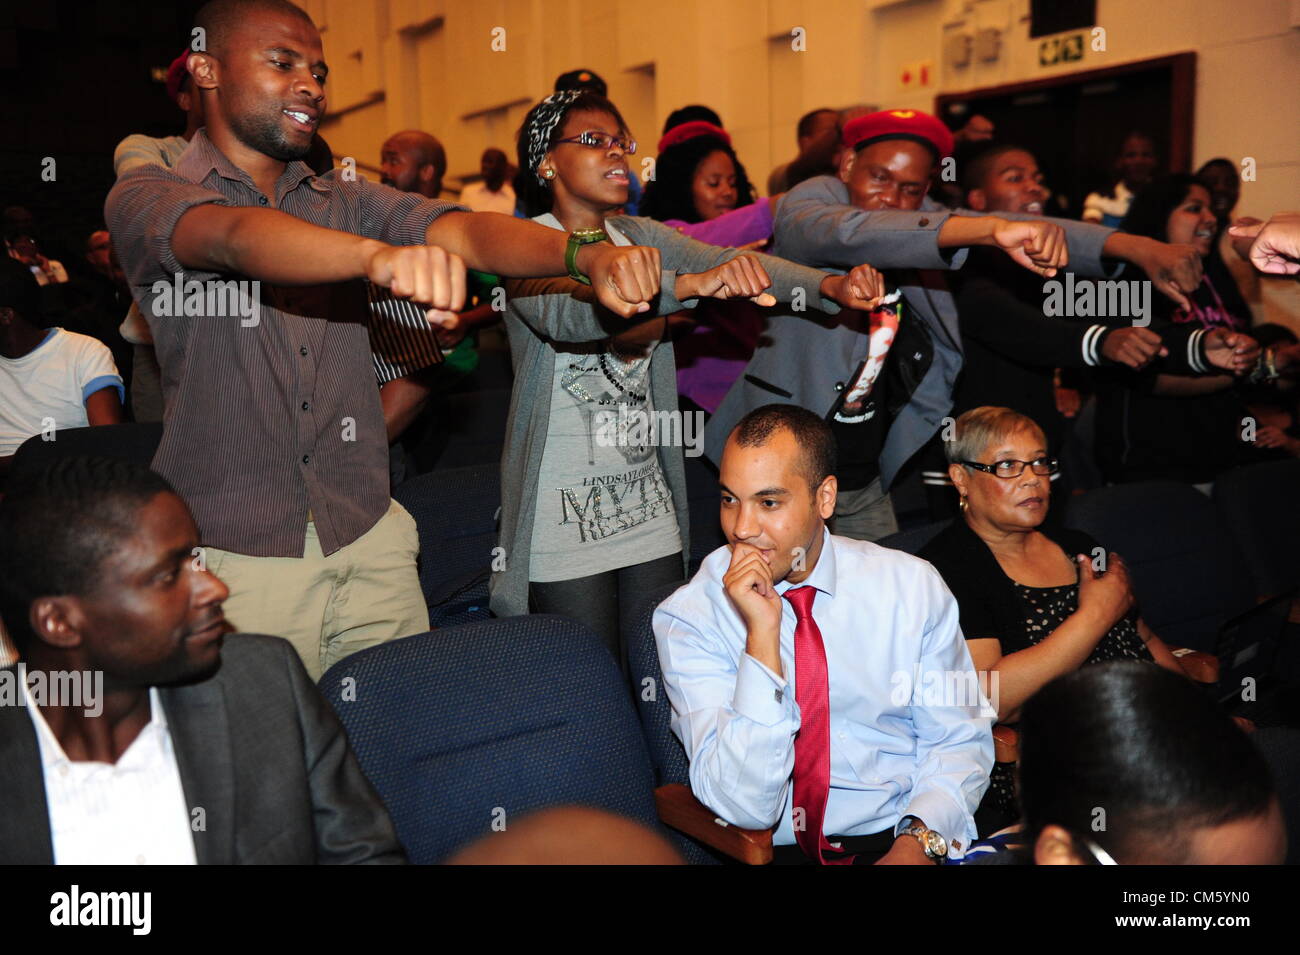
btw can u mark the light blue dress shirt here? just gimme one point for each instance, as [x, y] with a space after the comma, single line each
[911, 734]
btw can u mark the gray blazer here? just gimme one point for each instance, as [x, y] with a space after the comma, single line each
[544, 315]
[258, 749]
[807, 361]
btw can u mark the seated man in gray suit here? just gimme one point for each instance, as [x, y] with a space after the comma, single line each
[886, 385]
[135, 730]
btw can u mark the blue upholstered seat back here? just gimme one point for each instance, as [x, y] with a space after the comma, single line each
[490, 720]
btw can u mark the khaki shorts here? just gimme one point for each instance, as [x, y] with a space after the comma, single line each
[361, 595]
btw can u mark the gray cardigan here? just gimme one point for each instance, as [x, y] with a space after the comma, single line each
[543, 315]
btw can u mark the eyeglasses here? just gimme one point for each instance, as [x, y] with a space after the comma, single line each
[602, 141]
[1012, 468]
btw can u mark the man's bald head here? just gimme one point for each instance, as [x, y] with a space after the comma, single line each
[413, 161]
[220, 18]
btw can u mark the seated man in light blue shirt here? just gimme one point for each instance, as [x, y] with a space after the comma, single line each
[897, 705]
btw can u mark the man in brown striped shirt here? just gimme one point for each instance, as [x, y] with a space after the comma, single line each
[248, 267]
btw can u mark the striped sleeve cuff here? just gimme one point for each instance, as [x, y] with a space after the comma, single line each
[1195, 356]
[1092, 344]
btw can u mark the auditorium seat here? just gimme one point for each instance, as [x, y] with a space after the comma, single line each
[464, 729]
[132, 442]
[712, 841]
[466, 428]
[1188, 575]
[912, 540]
[703, 499]
[455, 511]
[1261, 506]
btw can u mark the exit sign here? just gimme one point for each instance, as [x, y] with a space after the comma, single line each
[1066, 48]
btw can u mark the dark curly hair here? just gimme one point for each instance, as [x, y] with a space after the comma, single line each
[669, 196]
[1148, 215]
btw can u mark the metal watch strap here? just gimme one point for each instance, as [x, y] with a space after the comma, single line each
[917, 831]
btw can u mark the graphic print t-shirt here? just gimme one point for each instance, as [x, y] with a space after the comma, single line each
[603, 501]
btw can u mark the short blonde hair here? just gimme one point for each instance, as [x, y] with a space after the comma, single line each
[981, 427]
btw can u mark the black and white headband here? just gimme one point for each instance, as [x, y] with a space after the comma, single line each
[546, 116]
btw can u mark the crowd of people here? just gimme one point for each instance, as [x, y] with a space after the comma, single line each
[283, 324]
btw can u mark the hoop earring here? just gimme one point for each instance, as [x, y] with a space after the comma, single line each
[963, 504]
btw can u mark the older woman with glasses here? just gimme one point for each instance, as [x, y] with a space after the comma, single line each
[1035, 602]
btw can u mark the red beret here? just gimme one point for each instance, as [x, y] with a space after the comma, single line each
[696, 127]
[899, 124]
[176, 74]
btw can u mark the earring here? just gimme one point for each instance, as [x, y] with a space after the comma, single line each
[548, 173]
[963, 504]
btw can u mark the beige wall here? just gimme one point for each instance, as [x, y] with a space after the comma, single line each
[431, 64]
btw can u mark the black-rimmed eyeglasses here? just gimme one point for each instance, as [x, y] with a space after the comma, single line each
[602, 141]
[1012, 468]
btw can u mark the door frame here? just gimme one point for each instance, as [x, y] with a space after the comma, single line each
[1182, 93]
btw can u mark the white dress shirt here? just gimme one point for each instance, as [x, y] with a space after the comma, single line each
[132, 812]
[902, 742]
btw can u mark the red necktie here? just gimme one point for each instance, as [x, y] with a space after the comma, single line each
[812, 747]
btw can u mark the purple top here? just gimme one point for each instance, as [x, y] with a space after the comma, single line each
[715, 352]
[738, 227]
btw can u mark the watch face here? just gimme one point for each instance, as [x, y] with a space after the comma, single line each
[935, 844]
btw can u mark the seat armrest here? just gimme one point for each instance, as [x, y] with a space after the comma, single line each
[678, 808]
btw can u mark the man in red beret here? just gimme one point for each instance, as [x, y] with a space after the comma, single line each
[139, 149]
[877, 211]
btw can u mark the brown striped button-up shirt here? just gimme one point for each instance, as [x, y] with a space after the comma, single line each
[270, 413]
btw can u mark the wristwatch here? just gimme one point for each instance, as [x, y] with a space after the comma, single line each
[577, 240]
[935, 845]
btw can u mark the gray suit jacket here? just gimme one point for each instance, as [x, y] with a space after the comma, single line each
[809, 359]
[259, 750]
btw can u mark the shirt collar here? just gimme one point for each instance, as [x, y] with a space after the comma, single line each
[823, 574]
[203, 157]
[52, 754]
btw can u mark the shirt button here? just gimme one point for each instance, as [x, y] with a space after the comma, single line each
[302, 350]
[839, 386]
[923, 221]
[139, 860]
[63, 770]
[262, 200]
[306, 459]
[305, 405]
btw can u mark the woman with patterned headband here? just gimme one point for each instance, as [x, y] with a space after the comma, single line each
[593, 481]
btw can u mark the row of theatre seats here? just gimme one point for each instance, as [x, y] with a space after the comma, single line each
[482, 720]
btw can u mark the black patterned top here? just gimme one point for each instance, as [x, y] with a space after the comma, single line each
[1046, 608]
